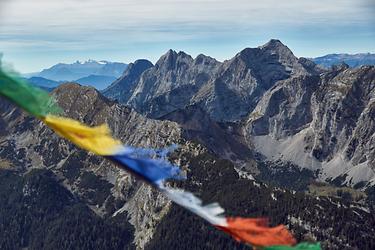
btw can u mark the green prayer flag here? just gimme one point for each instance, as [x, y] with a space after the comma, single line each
[30, 98]
[300, 246]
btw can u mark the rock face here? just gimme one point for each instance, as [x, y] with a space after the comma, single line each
[241, 81]
[122, 88]
[290, 110]
[224, 140]
[171, 83]
[226, 91]
[324, 123]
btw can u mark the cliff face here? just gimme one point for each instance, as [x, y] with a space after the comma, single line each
[322, 123]
[171, 83]
[226, 91]
[284, 108]
[123, 87]
[241, 81]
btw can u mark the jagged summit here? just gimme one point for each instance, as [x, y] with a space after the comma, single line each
[276, 46]
[273, 51]
[172, 59]
[273, 43]
[279, 94]
[227, 91]
[83, 98]
[134, 69]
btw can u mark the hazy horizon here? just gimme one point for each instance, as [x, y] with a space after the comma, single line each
[38, 34]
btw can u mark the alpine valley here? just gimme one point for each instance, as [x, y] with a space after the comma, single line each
[264, 133]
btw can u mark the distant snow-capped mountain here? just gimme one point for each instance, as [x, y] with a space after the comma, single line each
[353, 60]
[74, 71]
[98, 74]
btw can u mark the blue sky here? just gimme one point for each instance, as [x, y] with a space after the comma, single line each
[39, 33]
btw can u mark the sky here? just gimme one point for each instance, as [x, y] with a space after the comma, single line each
[36, 34]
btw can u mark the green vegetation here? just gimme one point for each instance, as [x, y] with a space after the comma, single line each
[337, 227]
[346, 193]
[286, 175]
[38, 213]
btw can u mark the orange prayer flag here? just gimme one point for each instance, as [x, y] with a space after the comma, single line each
[257, 233]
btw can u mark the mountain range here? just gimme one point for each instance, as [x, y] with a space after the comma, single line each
[98, 74]
[264, 133]
[285, 108]
[353, 60]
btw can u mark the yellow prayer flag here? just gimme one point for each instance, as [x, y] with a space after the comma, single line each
[95, 139]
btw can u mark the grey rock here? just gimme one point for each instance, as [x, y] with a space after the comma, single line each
[226, 91]
[322, 123]
[171, 83]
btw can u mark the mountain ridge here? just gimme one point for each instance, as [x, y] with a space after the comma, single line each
[76, 70]
[99, 74]
[353, 60]
[203, 79]
[248, 90]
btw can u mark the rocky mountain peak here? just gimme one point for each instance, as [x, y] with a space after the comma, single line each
[272, 56]
[274, 44]
[72, 88]
[135, 69]
[242, 80]
[141, 63]
[273, 52]
[277, 47]
[76, 100]
[172, 60]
